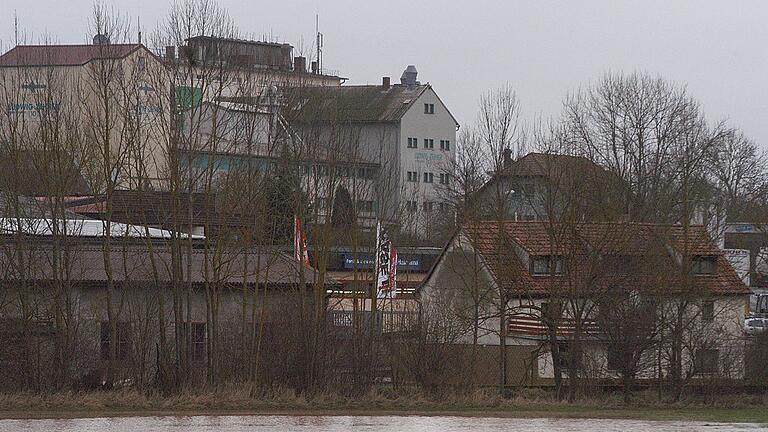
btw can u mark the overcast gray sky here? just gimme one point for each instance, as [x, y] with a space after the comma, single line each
[542, 48]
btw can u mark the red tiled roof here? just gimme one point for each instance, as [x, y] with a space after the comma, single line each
[577, 243]
[630, 238]
[63, 55]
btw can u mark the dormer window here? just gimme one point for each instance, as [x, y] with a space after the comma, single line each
[543, 265]
[703, 265]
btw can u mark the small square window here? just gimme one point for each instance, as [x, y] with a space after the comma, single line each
[703, 265]
[413, 143]
[545, 264]
[365, 206]
[410, 206]
[428, 206]
[445, 145]
[413, 176]
[429, 177]
[429, 108]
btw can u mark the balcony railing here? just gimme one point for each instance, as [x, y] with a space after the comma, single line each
[347, 322]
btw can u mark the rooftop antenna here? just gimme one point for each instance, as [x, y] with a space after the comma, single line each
[139, 26]
[15, 27]
[319, 44]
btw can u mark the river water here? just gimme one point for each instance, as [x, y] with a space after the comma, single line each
[359, 423]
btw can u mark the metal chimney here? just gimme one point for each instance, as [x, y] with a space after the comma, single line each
[100, 39]
[300, 64]
[170, 53]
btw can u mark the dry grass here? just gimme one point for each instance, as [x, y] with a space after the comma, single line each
[245, 399]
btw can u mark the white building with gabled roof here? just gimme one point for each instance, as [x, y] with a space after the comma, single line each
[405, 127]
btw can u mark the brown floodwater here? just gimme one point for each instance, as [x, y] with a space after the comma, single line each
[360, 423]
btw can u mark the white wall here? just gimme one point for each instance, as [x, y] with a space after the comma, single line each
[438, 126]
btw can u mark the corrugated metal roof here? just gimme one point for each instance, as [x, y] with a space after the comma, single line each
[83, 228]
[132, 264]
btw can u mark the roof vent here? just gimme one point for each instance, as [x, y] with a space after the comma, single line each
[101, 39]
[409, 76]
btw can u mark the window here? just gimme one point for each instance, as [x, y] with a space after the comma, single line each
[413, 142]
[196, 333]
[123, 340]
[410, 206]
[544, 309]
[615, 360]
[188, 97]
[443, 179]
[619, 263]
[365, 172]
[428, 205]
[708, 311]
[702, 265]
[707, 360]
[544, 265]
[322, 170]
[445, 145]
[320, 202]
[551, 310]
[429, 143]
[528, 190]
[429, 177]
[566, 354]
[197, 336]
[429, 108]
[443, 207]
[529, 217]
[342, 171]
[365, 206]
[413, 176]
[198, 341]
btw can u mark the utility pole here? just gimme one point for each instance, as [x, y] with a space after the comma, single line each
[319, 41]
[15, 27]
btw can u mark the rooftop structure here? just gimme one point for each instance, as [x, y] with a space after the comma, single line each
[64, 55]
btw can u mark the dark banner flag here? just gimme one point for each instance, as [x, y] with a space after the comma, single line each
[300, 243]
[386, 264]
